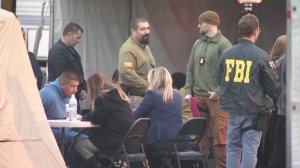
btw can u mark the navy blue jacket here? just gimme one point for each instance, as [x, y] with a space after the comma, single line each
[166, 118]
[245, 77]
[281, 101]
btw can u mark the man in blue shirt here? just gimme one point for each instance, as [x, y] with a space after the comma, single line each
[54, 97]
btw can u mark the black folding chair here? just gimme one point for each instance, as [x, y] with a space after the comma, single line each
[195, 128]
[131, 149]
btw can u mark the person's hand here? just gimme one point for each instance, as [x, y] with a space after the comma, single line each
[82, 94]
[213, 96]
[187, 98]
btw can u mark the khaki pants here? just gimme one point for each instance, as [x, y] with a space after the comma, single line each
[217, 127]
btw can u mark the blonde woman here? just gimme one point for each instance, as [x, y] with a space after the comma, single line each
[163, 105]
[111, 111]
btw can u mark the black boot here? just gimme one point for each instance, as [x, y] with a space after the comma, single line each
[94, 162]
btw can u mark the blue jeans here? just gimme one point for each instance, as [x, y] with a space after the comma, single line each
[241, 147]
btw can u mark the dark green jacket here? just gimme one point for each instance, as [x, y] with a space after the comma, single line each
[202, 78]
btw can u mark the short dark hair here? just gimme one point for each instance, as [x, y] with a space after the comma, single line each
[178, 80]
[69, 75]
[134, 24]
[72, 27]
[247, 25]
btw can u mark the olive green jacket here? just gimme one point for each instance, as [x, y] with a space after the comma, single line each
[201, 78]
[135, 61]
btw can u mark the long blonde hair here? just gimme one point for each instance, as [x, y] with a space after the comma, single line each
[160, 78]
[99, 85]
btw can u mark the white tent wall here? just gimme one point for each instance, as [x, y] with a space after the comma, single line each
[293, 90]
[105, 28]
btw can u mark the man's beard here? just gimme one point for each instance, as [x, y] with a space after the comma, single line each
[145, 39]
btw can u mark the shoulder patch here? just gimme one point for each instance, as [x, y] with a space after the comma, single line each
[128, 64]
[272, 65]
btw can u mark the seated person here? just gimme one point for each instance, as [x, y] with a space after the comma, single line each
[163, 105]
[111, 111]
[54, 97]
[178, 84]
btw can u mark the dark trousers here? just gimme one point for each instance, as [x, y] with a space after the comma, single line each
[277, 159]
[267, 142]
[158, 160]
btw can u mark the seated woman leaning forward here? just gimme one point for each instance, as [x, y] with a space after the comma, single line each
[111, 111]
[163, 105]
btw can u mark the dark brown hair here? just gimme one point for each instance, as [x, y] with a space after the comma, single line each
[73, 28]
[279, 48]
[247, 25]
[99, 85]
[134, 24]
[69, 75]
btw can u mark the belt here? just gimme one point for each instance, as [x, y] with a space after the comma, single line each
[134, 94]
[128, 90]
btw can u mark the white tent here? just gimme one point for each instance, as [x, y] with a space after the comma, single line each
[25, 139]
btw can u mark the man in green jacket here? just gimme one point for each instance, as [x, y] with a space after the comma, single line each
[201, 82]
[135, 61]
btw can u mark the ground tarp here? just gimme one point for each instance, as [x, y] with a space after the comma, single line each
[25, 136]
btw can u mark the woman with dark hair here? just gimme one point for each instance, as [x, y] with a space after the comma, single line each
[278, 156]
[267, 144]
[279, 48]
[111, 111]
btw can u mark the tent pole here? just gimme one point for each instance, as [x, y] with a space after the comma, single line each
[130, 15]
[51, 26]
[39, 31]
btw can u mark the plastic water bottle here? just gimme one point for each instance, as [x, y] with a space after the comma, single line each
[73, 108]
[68, 112]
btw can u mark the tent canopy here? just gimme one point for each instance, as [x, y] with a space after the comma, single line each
[26, 139]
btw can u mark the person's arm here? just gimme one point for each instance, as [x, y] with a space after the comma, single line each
[127, 67]
[48, 103]
[100, 112]
[270, 79]
[145, 107]
[190, 75]
[215, 95]
[82, 92]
